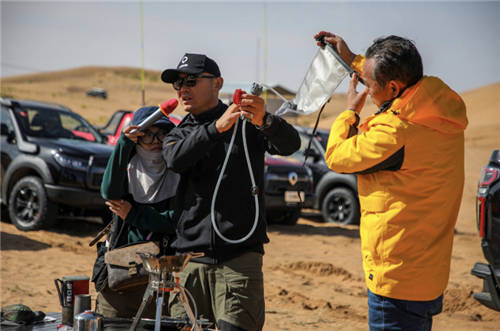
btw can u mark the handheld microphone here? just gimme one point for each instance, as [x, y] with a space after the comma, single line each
[163, 110]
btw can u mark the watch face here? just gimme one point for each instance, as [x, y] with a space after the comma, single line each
[268, 120]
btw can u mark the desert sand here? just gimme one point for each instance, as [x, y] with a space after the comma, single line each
[313, 272]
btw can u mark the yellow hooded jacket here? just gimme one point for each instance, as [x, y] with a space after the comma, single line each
[410, 165]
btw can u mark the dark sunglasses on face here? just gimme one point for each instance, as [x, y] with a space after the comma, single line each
[149, 136]
[188, 81]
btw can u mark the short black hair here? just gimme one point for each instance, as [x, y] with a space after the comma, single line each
[396, 58]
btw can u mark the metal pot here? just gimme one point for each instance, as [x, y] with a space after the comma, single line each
[87, 321]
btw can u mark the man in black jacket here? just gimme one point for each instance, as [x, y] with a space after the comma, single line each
[227, 282]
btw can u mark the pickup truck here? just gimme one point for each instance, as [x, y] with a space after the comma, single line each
[488, 224]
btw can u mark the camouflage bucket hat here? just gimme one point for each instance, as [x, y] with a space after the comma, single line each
[21, 314]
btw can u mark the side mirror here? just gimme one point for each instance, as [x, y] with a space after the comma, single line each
[4, 129]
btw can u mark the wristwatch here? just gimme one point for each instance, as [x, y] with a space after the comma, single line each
[266, 121]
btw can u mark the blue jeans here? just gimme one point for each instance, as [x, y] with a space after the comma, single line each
[402, 315]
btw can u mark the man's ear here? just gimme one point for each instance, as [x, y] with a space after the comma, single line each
[219, 82]
[396, 87]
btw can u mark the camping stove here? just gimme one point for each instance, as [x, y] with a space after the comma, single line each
[162, 279]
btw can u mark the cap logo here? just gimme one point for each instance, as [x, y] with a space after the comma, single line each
[184, 59]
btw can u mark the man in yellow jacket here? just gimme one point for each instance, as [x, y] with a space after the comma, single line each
[409, 157]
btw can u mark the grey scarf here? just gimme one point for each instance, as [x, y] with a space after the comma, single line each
[149, 179]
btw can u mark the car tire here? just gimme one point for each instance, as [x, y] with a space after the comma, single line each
[284, 217]
[340, 206]
[29, 206]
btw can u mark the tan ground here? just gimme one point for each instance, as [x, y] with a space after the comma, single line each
[313, 273]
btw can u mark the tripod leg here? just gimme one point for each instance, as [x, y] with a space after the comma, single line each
[185, 303]
[159, 306]
[145, 299]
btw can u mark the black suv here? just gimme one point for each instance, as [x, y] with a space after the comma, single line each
[284, 177]
[336, 194]
[52, 163]
[288, 186]
[488, 223]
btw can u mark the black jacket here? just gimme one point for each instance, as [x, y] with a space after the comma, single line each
[196, 151]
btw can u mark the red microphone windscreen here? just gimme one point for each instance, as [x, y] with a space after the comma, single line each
[168, 106]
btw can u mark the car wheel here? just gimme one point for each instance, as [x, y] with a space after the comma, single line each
[285, 217]
[340, 206]
[29, 207]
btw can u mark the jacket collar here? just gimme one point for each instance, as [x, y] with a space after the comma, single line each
[210, 114]
[387, 104]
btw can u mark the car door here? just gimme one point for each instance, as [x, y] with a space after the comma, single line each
[8, 145]
[315, 160]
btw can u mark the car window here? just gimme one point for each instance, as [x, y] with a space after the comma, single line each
[304, 143]
[70, 123]
[5, 118]
[114, 121]
[322, 137]
[126, 122]
[55, 124]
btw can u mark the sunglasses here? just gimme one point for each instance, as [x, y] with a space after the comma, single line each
[149, 136]
[188, 81]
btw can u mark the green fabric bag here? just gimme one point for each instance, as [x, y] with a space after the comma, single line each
[21, 314]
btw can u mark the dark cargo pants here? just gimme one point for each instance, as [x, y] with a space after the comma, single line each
[124, 304]
[232, 291]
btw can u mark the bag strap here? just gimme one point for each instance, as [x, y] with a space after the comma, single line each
[114, 239]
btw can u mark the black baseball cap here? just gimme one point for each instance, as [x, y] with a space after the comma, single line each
[191, 64]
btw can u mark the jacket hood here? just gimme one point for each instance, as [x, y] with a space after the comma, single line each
[431, 103]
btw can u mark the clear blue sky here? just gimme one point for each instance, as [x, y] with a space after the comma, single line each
[459, 41]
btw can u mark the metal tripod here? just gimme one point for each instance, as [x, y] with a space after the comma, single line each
[161, 279]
